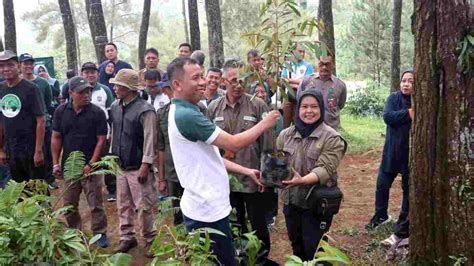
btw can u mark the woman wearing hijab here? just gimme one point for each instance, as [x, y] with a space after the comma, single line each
[313, 150]
[42, 71]
[398, 117]
[109, 73]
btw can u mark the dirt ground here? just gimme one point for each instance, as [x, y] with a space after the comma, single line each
[357, 175]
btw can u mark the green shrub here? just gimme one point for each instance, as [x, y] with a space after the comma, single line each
[32, 233]
[368, 101]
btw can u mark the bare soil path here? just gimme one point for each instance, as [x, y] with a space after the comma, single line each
[357, 175]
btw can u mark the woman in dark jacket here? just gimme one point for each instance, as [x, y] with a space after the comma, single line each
[313, 150]
[397, 116]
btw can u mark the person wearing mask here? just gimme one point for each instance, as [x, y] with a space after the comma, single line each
[134, 142]
[398, 116]
[42, 71]
[27, 63]
[333, 89]
[79, 125]
[314, 151]
[22, 121]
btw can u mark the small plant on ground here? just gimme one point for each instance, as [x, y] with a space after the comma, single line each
[326, 253]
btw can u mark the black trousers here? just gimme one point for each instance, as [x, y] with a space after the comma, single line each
[176, 190]
[48, 157]
[305, 230]
[253, 206]
[20, 159]
[109, 180]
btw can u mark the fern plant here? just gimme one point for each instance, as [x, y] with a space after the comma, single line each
[327, 253]
[75, 162]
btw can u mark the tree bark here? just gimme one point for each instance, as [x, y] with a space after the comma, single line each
[194, 24]
[326, 35]
[69, 33]
[9, 23]
[214, 28]
[185, 22]
[442, 154]
[142, 39]
[395, 63]
[95, 15]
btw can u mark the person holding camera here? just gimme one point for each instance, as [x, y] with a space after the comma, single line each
[311, 197]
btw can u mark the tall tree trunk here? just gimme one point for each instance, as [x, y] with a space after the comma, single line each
[185, 22]
[1, 44]
[194, 24]
[442, 161]
[326, 35]
[143, 32]
[9, 23]
[76, 33]
[214, 28]
[69, 33]
[112, 20]
[395, 63]
[95, 15]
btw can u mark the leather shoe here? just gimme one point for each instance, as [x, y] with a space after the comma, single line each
[126, 245]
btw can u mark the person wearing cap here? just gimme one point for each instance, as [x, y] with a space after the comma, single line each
[236, 112]
[134, 142]
[333, 89]
[27, 63]
[22, 122]
[153, 86]
[151, 59]
[79, 125]
[111, 54]
[103, 98]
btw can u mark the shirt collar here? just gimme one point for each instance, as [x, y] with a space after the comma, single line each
[227, 103]
[184, 103]
[316, 75]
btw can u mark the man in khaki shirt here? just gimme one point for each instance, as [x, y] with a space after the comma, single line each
[151, 58]
[333, 89]
[234, 113]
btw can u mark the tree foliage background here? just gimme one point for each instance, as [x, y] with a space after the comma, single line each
[355, 45]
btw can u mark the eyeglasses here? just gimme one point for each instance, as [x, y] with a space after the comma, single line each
[236, 82]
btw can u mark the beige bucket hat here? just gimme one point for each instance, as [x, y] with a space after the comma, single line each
[127, 78]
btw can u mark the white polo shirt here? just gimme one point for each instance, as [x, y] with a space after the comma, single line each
[200, 167]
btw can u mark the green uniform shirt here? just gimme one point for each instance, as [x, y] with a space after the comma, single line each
[46, 96]
[234, 119]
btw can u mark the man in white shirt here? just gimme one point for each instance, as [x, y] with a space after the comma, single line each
[194, 142]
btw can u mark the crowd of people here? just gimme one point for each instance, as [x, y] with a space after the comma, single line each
[180, 131]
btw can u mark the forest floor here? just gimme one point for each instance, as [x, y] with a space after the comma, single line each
[357, 175]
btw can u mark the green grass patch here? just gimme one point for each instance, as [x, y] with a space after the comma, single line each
[362, 133]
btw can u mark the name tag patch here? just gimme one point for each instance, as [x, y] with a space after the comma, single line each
[218, 119]
[250, 118]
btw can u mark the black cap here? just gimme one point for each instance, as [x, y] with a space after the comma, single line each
[89, 66]
[7, 55]
[26, 57]
[79, 84]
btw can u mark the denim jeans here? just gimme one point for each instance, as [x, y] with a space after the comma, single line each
[223, 246]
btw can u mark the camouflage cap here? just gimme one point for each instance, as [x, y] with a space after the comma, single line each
[127, 78]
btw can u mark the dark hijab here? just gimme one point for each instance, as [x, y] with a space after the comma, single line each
[406, 98]
[306, 129]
